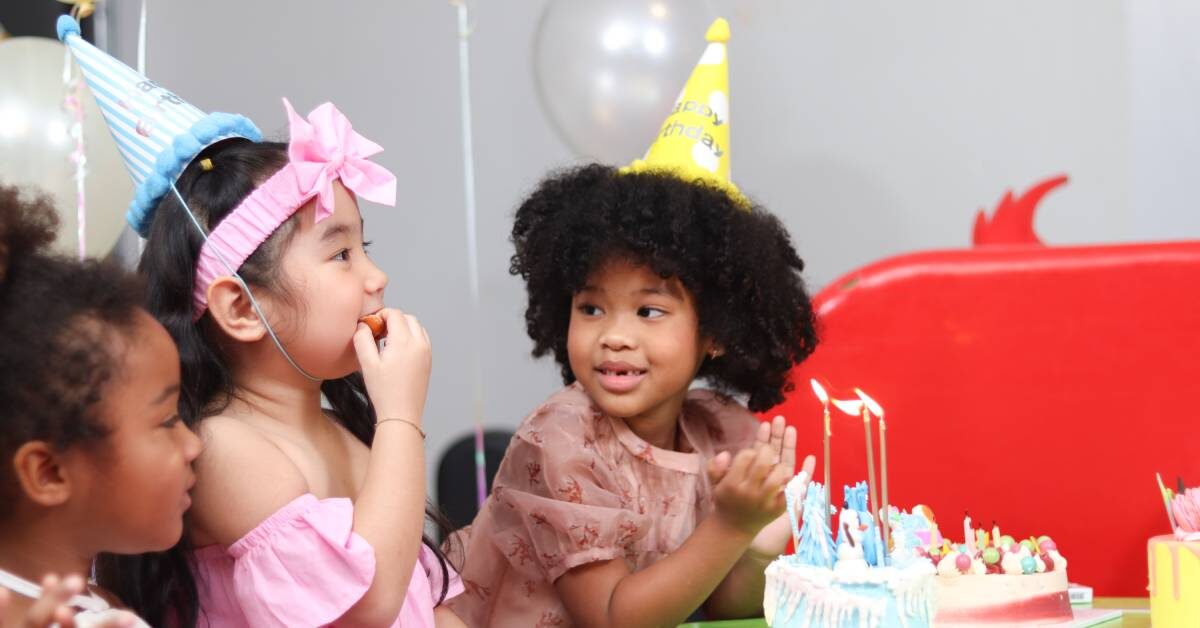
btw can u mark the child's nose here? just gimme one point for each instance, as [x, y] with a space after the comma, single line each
[376, 279]
[191, 445]
[616, 337]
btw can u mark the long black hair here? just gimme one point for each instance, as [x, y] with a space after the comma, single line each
[160, 586]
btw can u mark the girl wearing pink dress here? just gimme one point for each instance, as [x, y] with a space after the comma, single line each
[310, 494]
[629, 498]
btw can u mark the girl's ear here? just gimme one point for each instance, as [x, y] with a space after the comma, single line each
[712, 348]
[230, 308]
[41, 474]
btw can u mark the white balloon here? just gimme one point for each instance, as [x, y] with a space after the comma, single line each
[608, 72]
[36, 144]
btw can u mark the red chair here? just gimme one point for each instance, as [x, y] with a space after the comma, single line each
[1038, 387]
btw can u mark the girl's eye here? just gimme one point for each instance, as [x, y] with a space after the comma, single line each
[171, 421]
[588, 309]
[650, 312]
[342, 255]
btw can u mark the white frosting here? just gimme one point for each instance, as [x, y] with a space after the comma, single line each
[797, 487]
[848, 521]
[851, 565]
[1060, 563]
[1181, 535]
[1040, 564]
[821, 598]
[1011, 563]
[948, 565]
[978, 567]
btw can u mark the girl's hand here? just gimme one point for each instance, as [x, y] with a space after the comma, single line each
[773, 539]
[749, 488]
[781, 440]
[781, 437]
[396, 371]
[52, 608]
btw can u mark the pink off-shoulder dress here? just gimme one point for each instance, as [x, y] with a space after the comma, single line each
[305, 566]
[577, 486]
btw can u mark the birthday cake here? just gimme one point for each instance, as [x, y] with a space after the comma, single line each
[851, 583]
[901, 571]
[994, 580]
[1175, 565]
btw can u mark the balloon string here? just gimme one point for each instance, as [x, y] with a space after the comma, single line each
[141, 49]
[73, 104]
[468, 154]
[141, 68]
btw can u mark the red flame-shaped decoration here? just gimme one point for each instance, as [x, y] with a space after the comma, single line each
[1012, 222]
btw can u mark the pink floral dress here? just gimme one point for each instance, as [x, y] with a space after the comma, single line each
[577, 486]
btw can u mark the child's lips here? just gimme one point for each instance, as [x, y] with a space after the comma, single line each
[619, 377]
[186, 501]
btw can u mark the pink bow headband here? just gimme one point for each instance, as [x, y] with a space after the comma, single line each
[321, 149]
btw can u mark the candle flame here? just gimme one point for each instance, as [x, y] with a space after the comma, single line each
[853, 407]
[819, 391]
[872, 405]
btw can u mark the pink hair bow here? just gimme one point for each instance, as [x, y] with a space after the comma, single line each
[324, 148]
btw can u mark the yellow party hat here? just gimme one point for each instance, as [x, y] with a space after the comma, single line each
[693, 143]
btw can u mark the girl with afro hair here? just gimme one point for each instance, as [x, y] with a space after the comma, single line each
[93, 455]
[628, 498]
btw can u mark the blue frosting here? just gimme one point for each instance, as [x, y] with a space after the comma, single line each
[812, 589]
[907, 533]
[816, 546]
[172, 160]
[868, 603]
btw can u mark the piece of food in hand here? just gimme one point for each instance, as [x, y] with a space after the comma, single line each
[375, 322]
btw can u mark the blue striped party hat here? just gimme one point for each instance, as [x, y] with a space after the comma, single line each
[157, 132]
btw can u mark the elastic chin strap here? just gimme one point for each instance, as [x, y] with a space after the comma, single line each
[233, 272]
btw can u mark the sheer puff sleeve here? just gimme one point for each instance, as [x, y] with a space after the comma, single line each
[559, 501]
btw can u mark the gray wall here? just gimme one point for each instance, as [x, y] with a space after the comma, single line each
[872, 128]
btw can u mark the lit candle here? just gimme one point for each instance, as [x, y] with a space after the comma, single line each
[823, 396]
[968, 532]
[855, 407]
[870, 406]
[995, 535]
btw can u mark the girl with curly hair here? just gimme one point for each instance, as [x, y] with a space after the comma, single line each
[93, 455]
[602, 513]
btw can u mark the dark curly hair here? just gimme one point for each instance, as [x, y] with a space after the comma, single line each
[737, 261]
[64, 325]
[159, 586]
